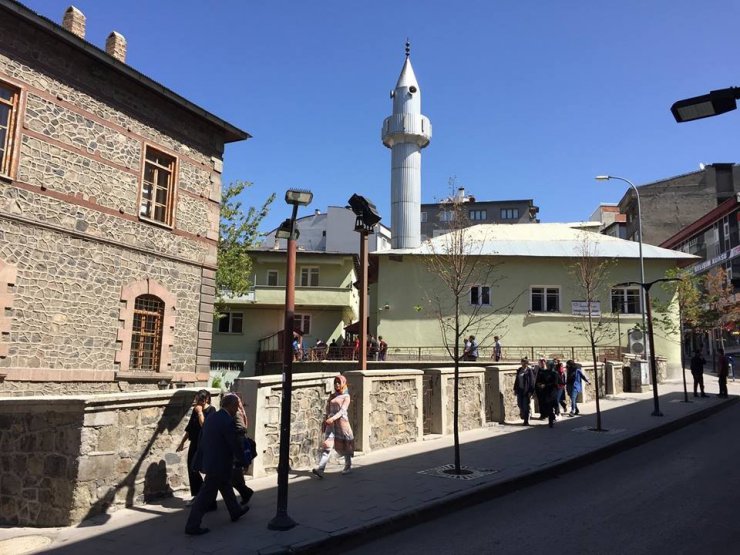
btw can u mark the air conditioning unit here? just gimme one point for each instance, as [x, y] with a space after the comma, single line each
[636, 341]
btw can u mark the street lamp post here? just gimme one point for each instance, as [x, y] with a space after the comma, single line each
[367, 218]
[639, 238]
[705, 106]
[287, 230]
[653, 366]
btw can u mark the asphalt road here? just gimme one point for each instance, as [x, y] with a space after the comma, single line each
[678, 494]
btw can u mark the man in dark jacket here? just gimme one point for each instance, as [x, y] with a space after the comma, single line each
[697, 371]
[524, 387]
[217, 450]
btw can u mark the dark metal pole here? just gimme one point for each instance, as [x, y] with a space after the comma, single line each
[653, 367]
[681, 346]
[282, 521]
[363, 299]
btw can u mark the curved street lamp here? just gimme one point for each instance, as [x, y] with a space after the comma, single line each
[639, 232]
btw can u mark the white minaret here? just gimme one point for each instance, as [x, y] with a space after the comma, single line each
[406, 132]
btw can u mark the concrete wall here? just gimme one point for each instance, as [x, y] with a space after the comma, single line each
[407, 286]
[65, 459]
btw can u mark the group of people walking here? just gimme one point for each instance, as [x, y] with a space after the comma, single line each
[548, 383]
[220, 449]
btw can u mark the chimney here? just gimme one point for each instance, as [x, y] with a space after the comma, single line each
[74, 22]
[115, 45]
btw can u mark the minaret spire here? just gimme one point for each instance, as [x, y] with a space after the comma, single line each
[406, 131]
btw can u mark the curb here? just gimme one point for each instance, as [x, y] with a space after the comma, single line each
[354, 537]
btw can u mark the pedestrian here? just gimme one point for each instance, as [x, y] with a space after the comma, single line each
[372, 351]
[574, 384]
[560, 396]
[523, 388]
[540, 386]
[547, 380]
[219, 446]
[724, 370]
[697, 371]
[337, 432]
[237, 473]
[466, 349]
[382, 348]
[333, 350]
[496, 355]
[472, 349]
[202, 409]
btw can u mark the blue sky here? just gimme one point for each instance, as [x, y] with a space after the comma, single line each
[527, 98]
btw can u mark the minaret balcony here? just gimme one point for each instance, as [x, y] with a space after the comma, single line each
[407, 128]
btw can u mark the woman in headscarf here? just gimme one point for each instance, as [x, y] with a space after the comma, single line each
[337, 432]
[202, 408]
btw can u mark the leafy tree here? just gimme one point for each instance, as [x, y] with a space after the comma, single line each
[455, 259]
[238, 232]
[591, 275]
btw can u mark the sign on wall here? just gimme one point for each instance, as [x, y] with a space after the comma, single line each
[580, 308]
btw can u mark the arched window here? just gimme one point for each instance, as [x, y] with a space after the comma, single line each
[146, 333]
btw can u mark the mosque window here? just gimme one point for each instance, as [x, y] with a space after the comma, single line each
[158, 187]
[545, 299]
[8, 115]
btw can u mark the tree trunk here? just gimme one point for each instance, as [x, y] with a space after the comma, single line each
[455, 430]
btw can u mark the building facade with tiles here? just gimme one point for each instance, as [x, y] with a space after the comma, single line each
[110, 191]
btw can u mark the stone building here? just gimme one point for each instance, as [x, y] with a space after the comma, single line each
[109, 208]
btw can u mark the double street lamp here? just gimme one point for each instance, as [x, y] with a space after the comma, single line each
[653, 368]
[287, 230]
[639, 240]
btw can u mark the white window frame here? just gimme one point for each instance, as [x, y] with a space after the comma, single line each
[277, 278]
[309, 272]
[303, 323]
[546, 289]
[446, 215]
[479, 293]
[623, 293]
[231, 317]
[423, 217]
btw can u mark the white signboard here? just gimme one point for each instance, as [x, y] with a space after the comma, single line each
[580, 308]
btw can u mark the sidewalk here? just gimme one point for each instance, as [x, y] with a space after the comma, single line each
[387, 489]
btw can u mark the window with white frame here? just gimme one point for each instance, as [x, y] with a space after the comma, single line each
[423, 217]
[480, 295]
[626, 300]
[310, 276]
[509, 213]
[477, 215]
[272, 278]
[303, 323]
[231, 322]
[545, 299]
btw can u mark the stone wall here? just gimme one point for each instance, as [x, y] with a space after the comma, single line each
[387, 407]
[262, 397]
[471, 398]
[501, 403]
[65, 459]
[69, 218]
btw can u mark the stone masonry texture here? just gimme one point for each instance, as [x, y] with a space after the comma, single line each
[69, 214]
[470, 399]
[393, 413]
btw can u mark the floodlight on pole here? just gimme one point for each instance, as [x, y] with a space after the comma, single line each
[287, 230]
[367, 219]
[639, 238]
[707, 105]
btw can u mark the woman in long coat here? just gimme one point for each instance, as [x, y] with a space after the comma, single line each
[337, 431]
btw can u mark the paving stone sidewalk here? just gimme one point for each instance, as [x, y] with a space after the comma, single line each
[387, 490]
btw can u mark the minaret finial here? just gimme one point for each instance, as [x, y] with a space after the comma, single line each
[408, 47]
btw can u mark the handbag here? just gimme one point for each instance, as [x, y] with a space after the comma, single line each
[250, 450]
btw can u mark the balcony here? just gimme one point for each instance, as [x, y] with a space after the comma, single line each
[267, 295]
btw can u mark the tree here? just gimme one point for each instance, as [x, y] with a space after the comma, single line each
[722, 308]
[238, 232]
[456, 260]
[591, 274]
